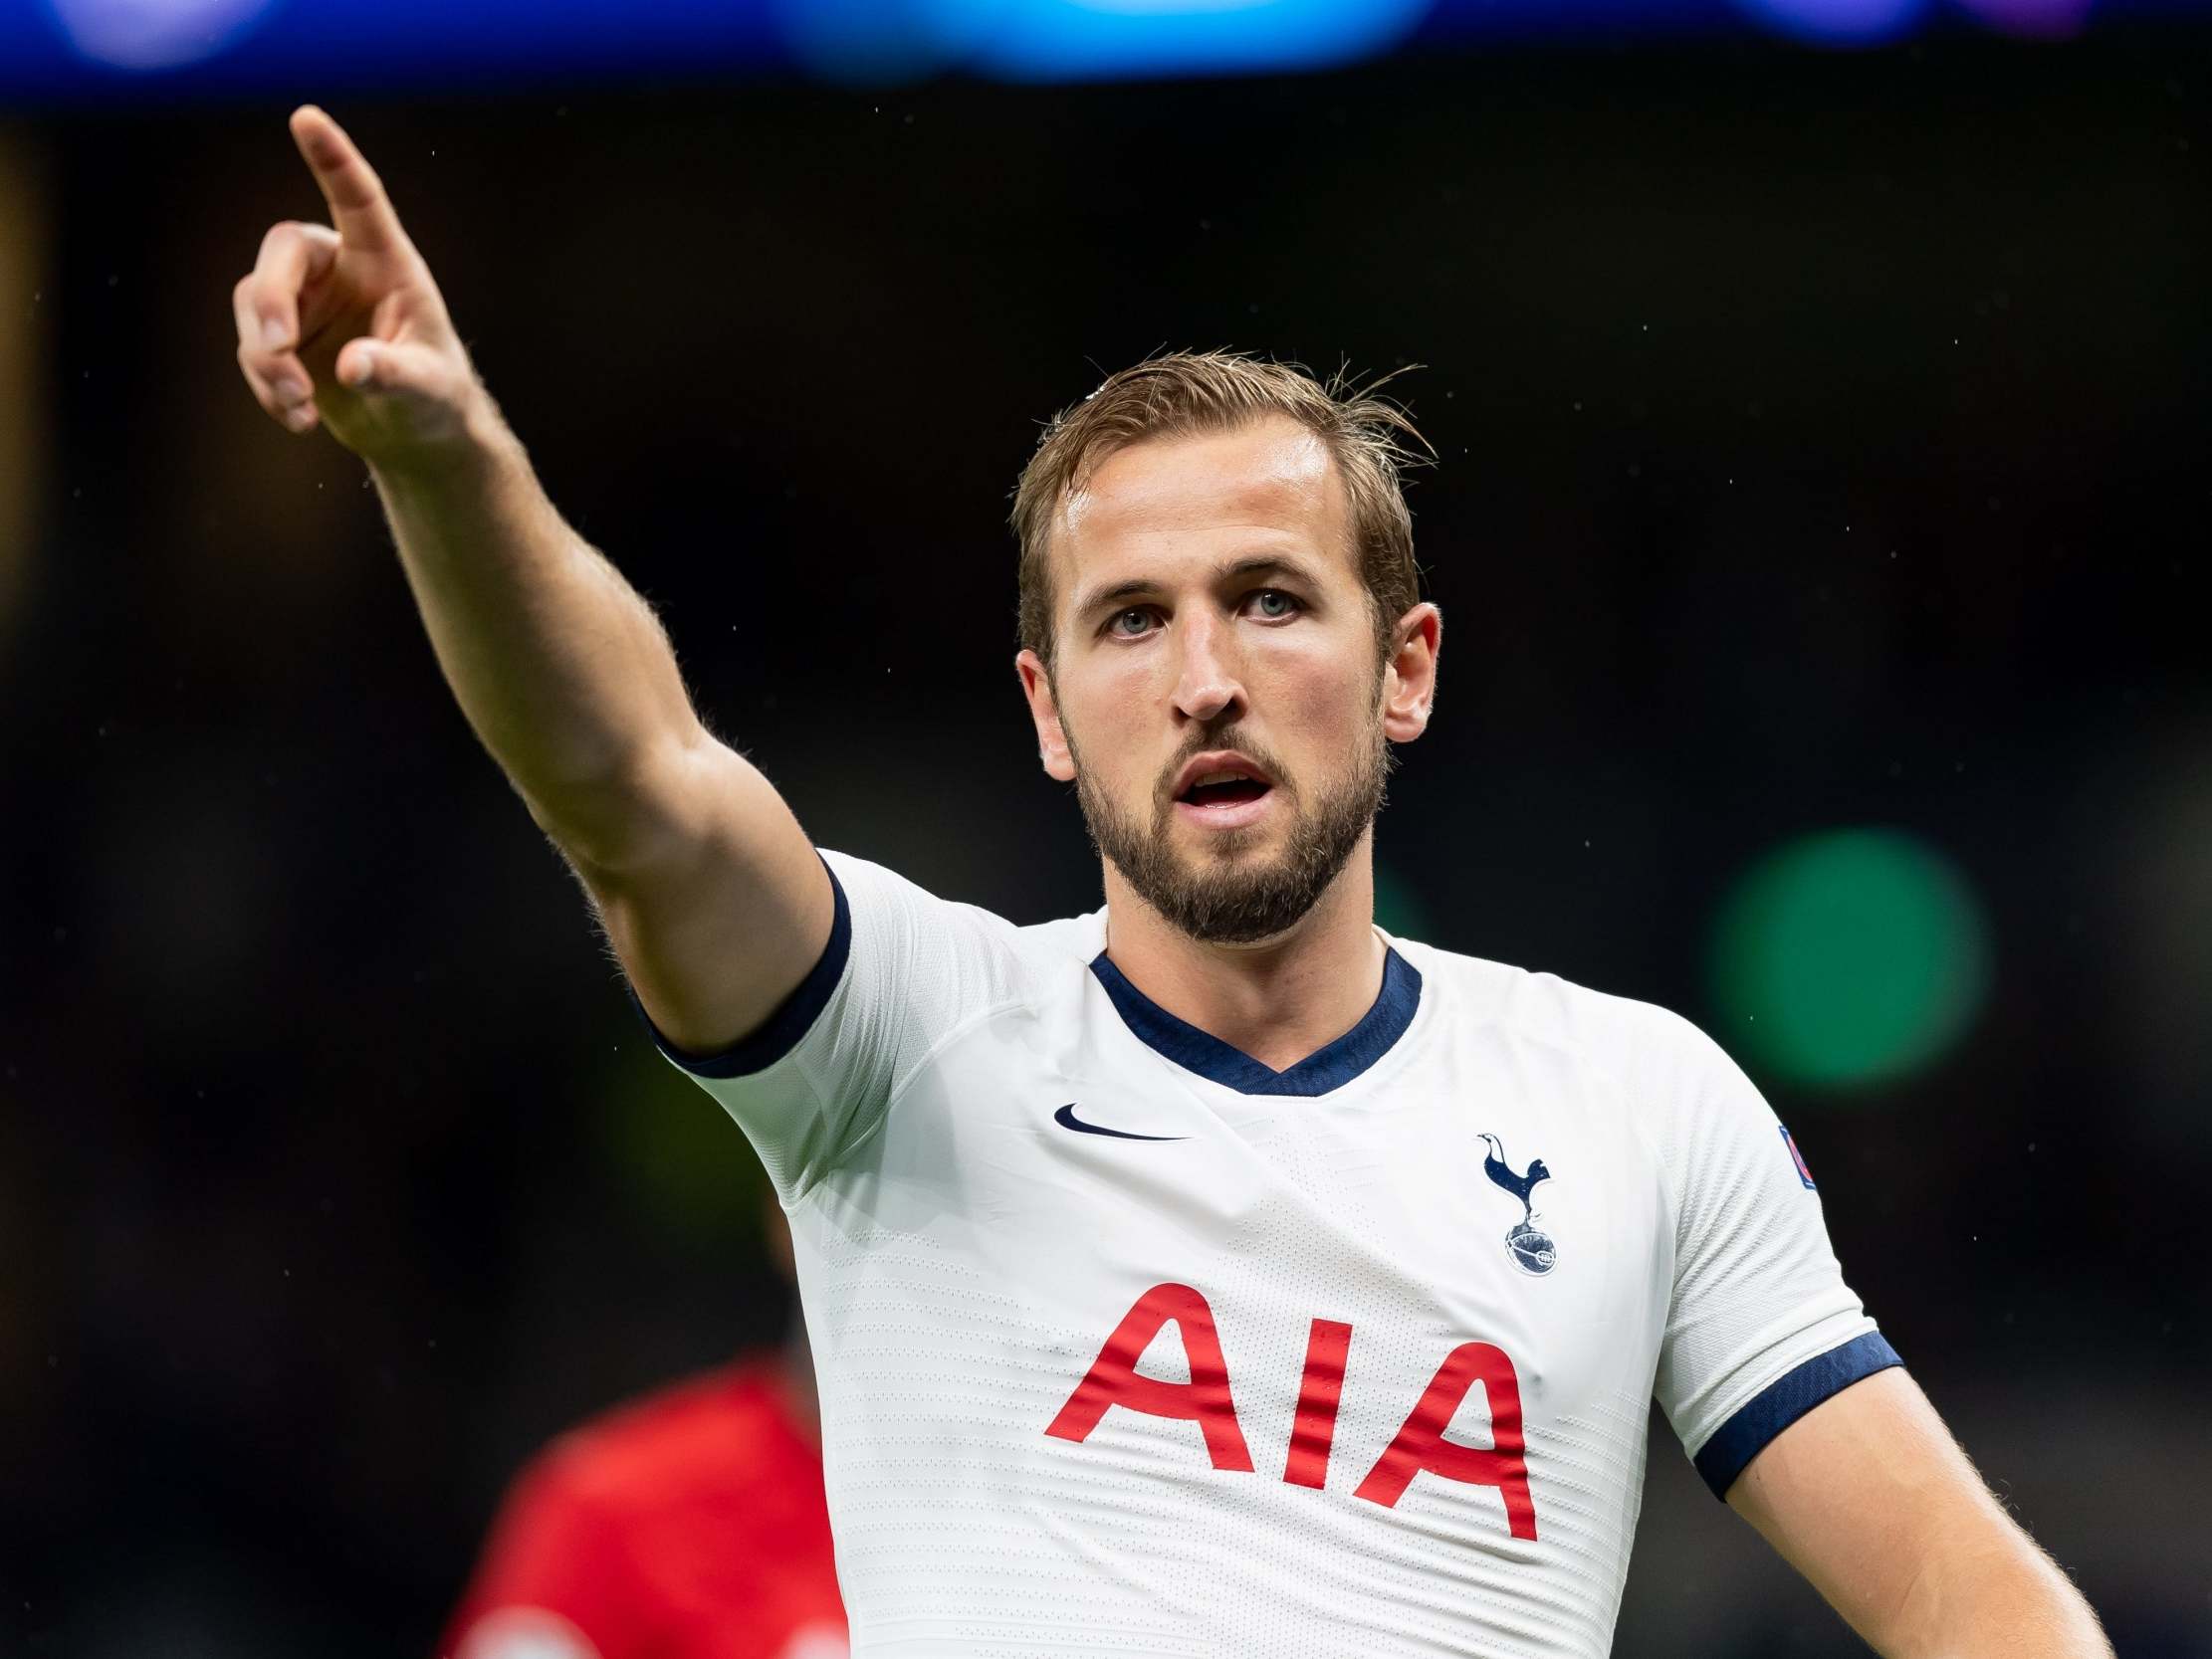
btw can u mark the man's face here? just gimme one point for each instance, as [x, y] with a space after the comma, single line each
[1218, 698]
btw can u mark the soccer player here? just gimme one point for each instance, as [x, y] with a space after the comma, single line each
[687, 1524]
[1211, 1274]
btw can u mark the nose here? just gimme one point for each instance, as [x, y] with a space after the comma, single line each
[1207, 686]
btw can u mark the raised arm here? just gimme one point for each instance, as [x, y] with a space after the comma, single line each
[710, 891]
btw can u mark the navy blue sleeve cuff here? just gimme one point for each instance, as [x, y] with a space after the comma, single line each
[793, 1018]
[1776, 1406]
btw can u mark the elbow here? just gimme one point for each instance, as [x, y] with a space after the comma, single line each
[618, 819]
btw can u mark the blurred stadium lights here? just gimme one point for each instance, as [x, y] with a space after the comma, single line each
[1849, 957]
[70, 50]
[868, 42]
[154, 34]
[1078, 40]
[1873, 22]
[1066, 40]
[1841, 22]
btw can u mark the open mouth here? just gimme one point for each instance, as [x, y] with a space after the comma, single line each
[1223, 789]
[1227, 791]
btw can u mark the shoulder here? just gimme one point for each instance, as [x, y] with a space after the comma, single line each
[1647, 1049]
[1041, 945]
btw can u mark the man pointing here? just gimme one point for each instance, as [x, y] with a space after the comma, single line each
[1213, 1272]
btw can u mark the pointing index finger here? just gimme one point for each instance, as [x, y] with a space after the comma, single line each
[359, 206]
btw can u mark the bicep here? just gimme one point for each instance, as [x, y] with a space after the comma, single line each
[720, 906]
[1863, 1494]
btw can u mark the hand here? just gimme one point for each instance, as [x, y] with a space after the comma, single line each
[345, 326]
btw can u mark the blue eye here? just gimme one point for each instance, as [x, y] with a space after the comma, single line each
[1275, 603]
[1114, 624]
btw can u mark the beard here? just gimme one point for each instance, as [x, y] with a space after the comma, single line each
[1229, 894]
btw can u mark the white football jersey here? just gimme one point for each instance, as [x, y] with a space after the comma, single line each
[1129, 1345]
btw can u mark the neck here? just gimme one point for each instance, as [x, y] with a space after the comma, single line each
[1278, 1000]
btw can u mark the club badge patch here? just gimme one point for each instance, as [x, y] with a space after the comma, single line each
[1797, 1157]
[1531, 1248]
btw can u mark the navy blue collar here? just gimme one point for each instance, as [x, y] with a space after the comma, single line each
[1325, 1069]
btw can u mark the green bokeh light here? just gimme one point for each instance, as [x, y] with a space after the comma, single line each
[1849, 957]
[1399, 911]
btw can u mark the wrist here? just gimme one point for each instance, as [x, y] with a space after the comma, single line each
[477, 444]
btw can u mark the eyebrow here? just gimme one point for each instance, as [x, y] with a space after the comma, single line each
[1258, 564]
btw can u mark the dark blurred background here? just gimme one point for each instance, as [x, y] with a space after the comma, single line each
[1820, 525]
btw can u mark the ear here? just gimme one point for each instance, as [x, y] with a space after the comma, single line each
[1410, 677]
[1044, 709]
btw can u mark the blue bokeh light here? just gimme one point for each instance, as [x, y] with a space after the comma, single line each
[65, 50]
[1838, 22]
[868, 42]
[142, 35]
[1075, 40]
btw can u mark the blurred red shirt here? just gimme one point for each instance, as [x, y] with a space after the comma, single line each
[689, 1525]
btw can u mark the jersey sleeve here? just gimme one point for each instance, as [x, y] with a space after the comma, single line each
[902, 969]
[1760, 1327]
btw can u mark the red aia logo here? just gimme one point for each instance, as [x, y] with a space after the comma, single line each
[1206, 1401]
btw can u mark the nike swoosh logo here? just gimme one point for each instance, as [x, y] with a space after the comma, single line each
[1066, 1118]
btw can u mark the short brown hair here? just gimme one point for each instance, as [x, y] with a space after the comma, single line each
[1181, 393]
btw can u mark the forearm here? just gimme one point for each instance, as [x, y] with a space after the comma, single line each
[2000, 1598]
[559, 664]
[1869, 1496]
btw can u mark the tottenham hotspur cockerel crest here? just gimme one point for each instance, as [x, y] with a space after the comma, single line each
[1530, 1246]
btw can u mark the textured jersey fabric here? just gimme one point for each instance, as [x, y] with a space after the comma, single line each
[689, 1525]
[1131, 1346]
